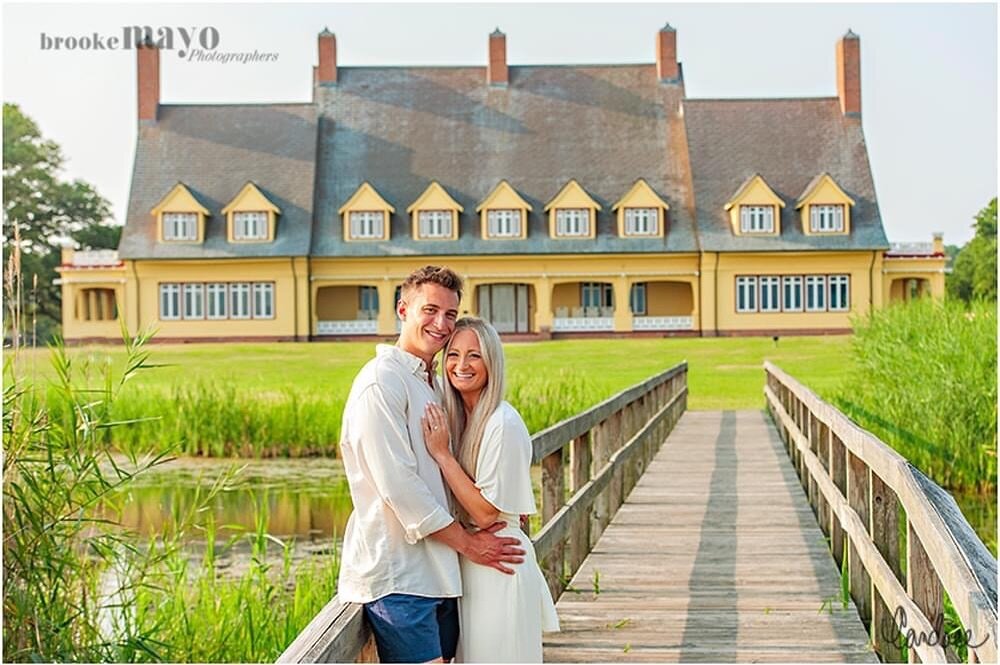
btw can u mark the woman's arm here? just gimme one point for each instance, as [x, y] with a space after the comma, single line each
[436, 437]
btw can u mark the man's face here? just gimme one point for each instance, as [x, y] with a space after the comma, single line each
[428, 314]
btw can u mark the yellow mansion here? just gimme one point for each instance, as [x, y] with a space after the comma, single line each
[574, 200]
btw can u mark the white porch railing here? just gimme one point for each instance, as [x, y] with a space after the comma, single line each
[662, 323]
[364, 327]
[574, 323]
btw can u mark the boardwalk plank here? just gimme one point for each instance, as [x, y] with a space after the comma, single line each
[716, 556]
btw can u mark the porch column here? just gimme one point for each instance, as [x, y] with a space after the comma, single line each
[386, 308]
[92, 311]
[623, 315]
[707, 325]
[543, 306]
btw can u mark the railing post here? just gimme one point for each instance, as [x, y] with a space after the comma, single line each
[600, 436]
[553, 498]
[922, 584]
[838, 471]
[858, 489]
[884, 510]
[581, 458]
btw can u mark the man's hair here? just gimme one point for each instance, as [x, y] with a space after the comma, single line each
[439, 275]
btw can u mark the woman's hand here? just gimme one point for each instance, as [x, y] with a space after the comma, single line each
[435, 427]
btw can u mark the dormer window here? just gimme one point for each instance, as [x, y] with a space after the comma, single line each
[503, 224]
[572, 222]
[180, 226]
[826, 218]
[366, 215]
[435, 214]
[757, 219]
[250, 225]
[641, 221]
[367, 224]
[435, 223]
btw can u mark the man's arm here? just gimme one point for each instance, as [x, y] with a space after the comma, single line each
[482, 547]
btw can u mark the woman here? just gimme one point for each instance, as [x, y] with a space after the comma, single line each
[502, 616]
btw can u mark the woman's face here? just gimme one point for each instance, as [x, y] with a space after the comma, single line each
[464, 363]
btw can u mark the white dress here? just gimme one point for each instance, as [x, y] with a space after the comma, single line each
[502, 616]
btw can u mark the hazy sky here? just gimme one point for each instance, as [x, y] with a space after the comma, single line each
[928, 74]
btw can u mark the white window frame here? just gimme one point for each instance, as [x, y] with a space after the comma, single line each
[769, 292]
[180, 226]
[641, 221]
[791, 293]
[815, 292]
[170, 302]
[503, 223]
[367, 224]
[746, 294]
[757, 219]
[826, 218]
[193, 302]
[240, 301]
[250, 225]
[602, 291]
[262, 306]
[572, 222]
[636, 297]
[434, 223]
[217, 300]
[843, 281]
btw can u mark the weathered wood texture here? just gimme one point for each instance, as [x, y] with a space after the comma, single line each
[714, 556]
[944, 554]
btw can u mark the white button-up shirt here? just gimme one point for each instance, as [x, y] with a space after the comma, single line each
[398, 493]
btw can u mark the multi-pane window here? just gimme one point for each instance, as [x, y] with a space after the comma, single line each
[194, 301]
[434, 223]
[595, 294]
[572, 222]
[170, 301]
[770, 293]
[239, 300]
[840, 299]
[792, 293]
[368, 300]
[180, 226]
[250, 226]
[217, 300]
[263, 300]
[367, 224]
[503, 223]
[815, 293]
[757, 219]
[746, 294]
[637, 299]
[826, 218]
[640, 221]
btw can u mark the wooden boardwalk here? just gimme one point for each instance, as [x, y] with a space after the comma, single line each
[714, 556]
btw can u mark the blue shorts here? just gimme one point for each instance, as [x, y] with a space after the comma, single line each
[413, 629]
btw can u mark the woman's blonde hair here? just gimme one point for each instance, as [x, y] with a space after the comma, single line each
[467, 434]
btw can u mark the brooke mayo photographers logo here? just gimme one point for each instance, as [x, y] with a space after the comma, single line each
[193, 44]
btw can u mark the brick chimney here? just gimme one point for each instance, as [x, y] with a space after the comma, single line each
[849, 74]
[496, 72]
[667, 69]
[937, 243]
[327, 70]
[148, 80]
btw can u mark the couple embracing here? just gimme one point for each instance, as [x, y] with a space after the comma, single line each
[439, 476]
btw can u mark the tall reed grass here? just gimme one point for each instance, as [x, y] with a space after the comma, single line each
[924, 380]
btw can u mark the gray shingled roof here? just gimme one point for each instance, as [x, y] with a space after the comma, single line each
[789, 142]
[214, 151]
[401, 128]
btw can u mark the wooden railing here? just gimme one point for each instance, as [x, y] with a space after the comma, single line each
[603, 451]
[857, 487]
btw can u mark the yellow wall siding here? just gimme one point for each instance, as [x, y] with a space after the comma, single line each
[281, 272]
[669, 299]
[566, 295]
[856, 264]
[337, 303]
[74, 286]
[930, 269]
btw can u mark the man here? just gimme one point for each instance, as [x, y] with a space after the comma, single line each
[399, 555]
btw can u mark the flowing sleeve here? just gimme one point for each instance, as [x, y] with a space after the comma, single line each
[503, 470]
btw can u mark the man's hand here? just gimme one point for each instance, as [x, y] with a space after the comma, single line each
[488, 550]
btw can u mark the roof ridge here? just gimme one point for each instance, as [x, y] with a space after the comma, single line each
[761, 99]
[510, 66]
[232, 104]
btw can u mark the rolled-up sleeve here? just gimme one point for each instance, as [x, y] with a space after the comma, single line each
[383, 446]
